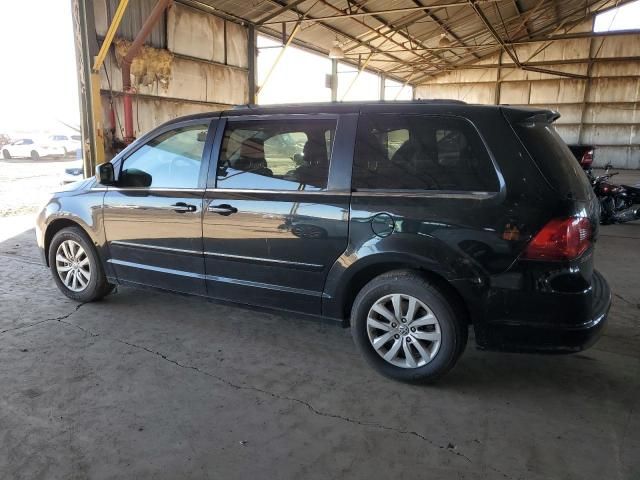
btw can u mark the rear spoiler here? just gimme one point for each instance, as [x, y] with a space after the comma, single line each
[529, 116]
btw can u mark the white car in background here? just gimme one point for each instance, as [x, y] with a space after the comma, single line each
[61, 144]
[23, 147]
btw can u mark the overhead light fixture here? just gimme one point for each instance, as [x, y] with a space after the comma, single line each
[444, 41]
[336, 51]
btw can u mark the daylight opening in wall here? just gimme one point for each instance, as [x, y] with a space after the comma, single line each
[353, 86]
[299, 76]
[626, 17]
[397, 91]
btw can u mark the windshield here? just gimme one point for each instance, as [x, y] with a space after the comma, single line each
[554, 159]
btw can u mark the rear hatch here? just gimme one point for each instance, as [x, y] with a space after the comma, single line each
[550, 153]
[554, 159]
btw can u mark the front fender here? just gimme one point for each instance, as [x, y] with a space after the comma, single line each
[78, 207]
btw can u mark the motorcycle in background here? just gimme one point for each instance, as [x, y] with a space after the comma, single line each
[616, 201]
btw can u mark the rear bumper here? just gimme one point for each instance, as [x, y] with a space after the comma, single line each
[552, 337]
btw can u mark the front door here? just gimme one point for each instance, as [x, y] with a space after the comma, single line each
[273, 225]
[153, 217]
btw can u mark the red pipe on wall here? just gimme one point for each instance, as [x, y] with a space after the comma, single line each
[149, 23]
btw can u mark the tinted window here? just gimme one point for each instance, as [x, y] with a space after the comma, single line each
[418, 152]
[554, 159]
[172, 159]
[276, 154]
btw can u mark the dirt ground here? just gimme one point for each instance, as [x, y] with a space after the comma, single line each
[152, 385]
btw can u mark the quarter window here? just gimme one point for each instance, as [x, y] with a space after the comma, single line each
[276, 155]
[171, 160]
[418, 152]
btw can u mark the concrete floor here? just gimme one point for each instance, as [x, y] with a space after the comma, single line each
[152, 385]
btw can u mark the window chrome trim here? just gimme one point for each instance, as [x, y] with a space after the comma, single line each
[363, 192]
[297, 192]
[154, 189]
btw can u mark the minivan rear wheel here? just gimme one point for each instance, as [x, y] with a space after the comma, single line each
[407, 328]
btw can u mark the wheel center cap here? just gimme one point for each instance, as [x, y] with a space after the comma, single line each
[403, 329]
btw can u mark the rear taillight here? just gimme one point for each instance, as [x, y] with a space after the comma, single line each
[560, 239]
[587, 159]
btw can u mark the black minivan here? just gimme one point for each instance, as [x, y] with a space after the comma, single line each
[410, 222]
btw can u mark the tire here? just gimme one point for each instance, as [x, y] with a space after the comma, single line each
[96, 286]
[442, 327]
[6, 155]
[35, 155]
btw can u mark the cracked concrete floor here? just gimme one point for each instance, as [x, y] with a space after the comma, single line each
[152, 385]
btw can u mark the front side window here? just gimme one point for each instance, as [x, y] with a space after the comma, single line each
[171, 160]
[420, 152]
[276, 155]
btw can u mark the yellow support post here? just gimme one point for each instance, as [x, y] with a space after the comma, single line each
[98, 120]
[111, 32]
[94, 80]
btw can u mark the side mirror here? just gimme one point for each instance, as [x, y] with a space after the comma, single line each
[105, 174]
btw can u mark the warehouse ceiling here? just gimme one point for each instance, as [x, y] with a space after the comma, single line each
[411, 40]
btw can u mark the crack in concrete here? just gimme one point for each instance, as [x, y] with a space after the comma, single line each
[617, 295]
[278, 396]
[60, 318]
[21, 259]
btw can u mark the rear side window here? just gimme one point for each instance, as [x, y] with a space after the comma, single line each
[420, 152]
[554, 159]
[276, 154]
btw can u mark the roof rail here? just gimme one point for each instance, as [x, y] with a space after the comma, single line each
[444, 101]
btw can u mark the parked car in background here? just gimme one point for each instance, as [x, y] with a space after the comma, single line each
[75, 171]
[61, 145]
[409, 221]
[23, 148]
[584, 155]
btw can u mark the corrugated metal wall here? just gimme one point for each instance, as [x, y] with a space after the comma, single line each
[208, 72]
[603, 110]
[137, 12]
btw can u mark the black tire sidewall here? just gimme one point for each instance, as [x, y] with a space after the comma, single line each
[95, 288]
[452, 338]
[6, 155]
[35, 155]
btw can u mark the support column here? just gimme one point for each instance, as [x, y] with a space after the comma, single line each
[86, 47]
[334, 80]
[496, 95]
[252, 64]
[382, 82]
[587, 88]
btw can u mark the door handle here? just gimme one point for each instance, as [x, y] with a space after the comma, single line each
[182, 207]
[223, 209]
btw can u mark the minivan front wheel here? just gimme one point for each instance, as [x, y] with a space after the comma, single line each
[76, 267]
[406, 328]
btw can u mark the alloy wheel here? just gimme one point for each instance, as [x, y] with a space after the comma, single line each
[73, 266]
[403, 331]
